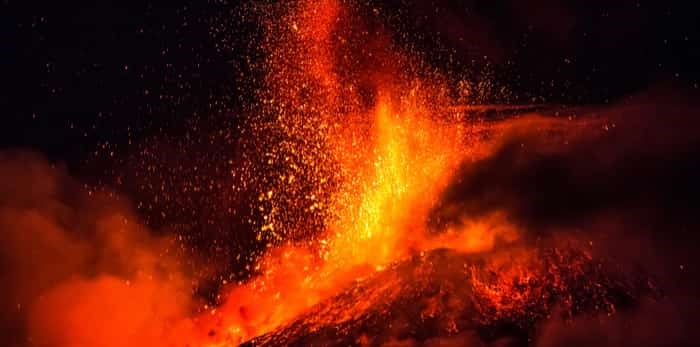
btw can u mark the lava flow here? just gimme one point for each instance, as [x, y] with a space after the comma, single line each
[366, 171]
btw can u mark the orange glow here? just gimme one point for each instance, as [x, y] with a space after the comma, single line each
[411, 161]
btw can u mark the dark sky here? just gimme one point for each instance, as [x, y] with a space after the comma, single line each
[77, 74]
[81, 73]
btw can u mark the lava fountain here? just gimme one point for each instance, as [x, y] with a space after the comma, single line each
[358, 142]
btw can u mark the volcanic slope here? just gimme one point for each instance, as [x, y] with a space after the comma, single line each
[446, 297]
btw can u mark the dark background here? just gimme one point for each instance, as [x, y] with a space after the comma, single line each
[81, 73]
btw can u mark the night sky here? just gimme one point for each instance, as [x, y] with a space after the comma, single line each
[81, 73]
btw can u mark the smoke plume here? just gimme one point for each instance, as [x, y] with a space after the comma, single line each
[78, 268]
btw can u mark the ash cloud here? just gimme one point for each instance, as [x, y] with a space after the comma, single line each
[550, 171]
[622, 177]
[77, 268]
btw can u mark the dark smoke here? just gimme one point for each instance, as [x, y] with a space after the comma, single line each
[635, 156]
[652, 324]
[625, 179]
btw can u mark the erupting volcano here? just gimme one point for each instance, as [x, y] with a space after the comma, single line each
[385, 204]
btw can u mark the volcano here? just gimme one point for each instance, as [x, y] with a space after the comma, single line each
[446, 297]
